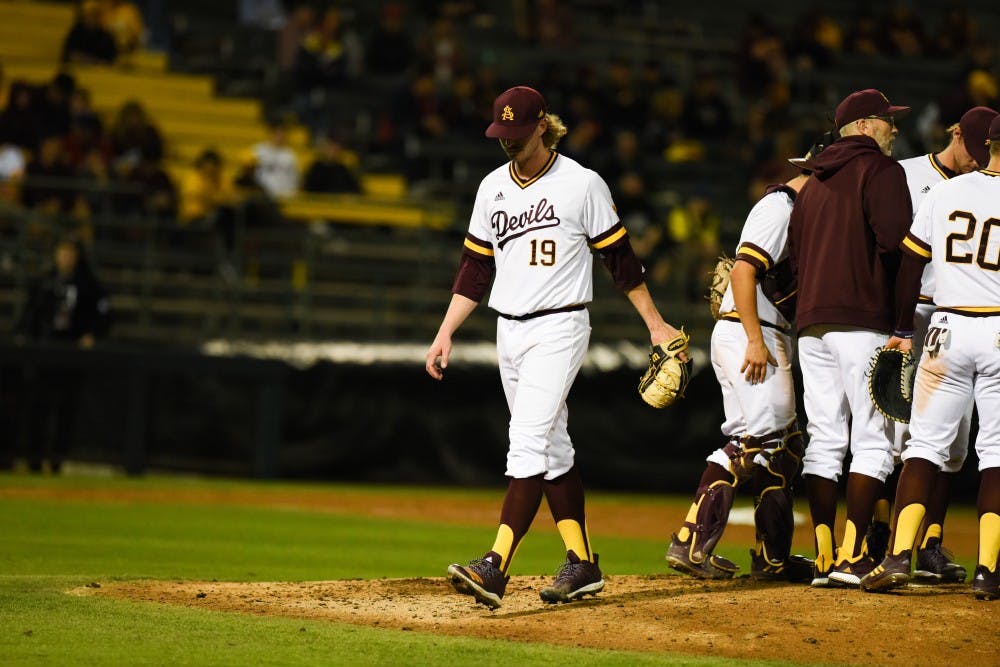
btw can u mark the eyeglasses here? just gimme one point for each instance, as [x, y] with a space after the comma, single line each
[887, 119]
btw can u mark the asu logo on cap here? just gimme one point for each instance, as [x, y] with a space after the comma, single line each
[516, 113]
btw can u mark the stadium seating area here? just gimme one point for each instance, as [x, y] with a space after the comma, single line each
[377, 265]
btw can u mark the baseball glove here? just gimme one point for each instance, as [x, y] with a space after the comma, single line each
[890, 383]
[720, 281]
[667, 376]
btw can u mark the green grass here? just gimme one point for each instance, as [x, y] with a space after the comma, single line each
[49, 546]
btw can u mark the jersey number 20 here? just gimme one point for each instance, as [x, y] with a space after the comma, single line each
[970, 230]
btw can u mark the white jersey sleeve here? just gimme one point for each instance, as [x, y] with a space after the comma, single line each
[599, 213]
[763, 243]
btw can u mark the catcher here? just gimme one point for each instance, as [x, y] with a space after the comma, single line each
[751, 354]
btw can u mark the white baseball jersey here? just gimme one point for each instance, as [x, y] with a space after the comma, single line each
[539, 230]
[277, 169]
[764, 243]
[958, 229]
[923, 173]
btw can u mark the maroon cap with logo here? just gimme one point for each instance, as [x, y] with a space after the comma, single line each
[516, 112]
[975, 126]
[865, 103]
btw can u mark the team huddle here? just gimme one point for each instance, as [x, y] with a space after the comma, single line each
[857, 253]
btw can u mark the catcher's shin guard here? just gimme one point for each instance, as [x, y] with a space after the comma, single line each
[773, 497]
[714, 504]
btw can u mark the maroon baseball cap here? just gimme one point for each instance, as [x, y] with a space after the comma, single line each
[975, 126]
[865, 103]
[994, 135]
[516, 111]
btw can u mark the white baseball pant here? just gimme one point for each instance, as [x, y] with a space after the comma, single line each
[841, 416]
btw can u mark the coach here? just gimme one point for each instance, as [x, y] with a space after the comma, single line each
[844, 236]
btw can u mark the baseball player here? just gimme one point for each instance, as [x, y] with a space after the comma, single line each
[956, 229]
[534, 223]
[844, 236]
[751, 354]
[964, 153]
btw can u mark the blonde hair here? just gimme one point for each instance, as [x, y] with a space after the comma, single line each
[555, 131]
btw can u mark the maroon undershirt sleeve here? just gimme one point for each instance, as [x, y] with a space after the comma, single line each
[911, 269]
[626, 269]
[474, 275]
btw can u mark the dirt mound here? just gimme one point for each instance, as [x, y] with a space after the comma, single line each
[740, 618]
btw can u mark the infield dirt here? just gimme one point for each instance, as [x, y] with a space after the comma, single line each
[665, 613]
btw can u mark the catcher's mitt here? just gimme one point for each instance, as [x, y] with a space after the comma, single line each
[667, 376]
[890, 383]
[720, 281]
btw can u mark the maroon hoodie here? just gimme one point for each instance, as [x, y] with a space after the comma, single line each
[844, 236]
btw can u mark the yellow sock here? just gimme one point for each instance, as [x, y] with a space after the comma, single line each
[907, 525]
[881, 511]
[846, 551]
[989, 540]
[685, 533]
[824, 547]
[933, 530]
[575, 538]
[503, 545]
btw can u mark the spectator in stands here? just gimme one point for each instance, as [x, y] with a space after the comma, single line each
[706, 115]
[902, 32]
[12, 166]
[134, 136]
[389, 49]
[817, 37]
[625, 156]
[761, 57]
[663, 119]
[300, 23]
[443, 51]
[266, 14]
[88, 154]
[548, 24]
[149, 193]
[88, 41]
[330, 172]
[322, 69]
[863, 36]
[124, 21]
[51, 104]
[206, 196]
[624, 106]
[50, 185]
[695, 227]
[954, 34]
[635, 208]
[581, 143]
[68, 305]
[274, 165]
[18, 122]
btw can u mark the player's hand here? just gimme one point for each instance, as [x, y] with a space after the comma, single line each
[663, 333]
[897, 343]
[437, 357]
[756, 361]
